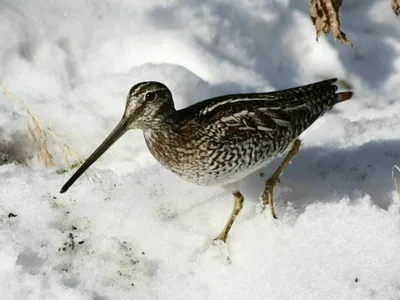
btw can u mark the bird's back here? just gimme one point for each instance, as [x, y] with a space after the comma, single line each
[293, 109]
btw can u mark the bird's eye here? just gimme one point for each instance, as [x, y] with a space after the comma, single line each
[150, 96]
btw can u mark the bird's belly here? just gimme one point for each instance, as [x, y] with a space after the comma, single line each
[220, 167]
[212, 162]
[227, 176]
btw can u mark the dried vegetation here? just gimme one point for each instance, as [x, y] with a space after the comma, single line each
[325, 17]
[38, 132]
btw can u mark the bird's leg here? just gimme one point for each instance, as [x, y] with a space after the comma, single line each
[267, 196]
[238, 197]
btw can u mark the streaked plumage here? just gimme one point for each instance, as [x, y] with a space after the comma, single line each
[221, 140]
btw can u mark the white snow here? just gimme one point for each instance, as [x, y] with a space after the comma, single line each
[146, 233]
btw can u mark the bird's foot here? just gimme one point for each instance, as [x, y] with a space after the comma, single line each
[221, 237]
[220, 251]
[266, 198]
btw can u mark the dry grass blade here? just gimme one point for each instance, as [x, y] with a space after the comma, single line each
[396, 7]
[396, 167]
[39, 136]
[325, 17]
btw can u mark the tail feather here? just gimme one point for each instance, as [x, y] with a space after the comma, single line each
[320, 98]
[344, 96]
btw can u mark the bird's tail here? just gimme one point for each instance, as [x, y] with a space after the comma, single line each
[344, 96]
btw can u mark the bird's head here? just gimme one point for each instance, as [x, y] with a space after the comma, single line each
[148, 105]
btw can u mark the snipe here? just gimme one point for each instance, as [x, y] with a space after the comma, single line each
[219, 141]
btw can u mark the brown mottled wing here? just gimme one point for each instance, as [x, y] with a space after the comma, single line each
[242, 115]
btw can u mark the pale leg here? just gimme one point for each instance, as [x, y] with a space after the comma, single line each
[267, 196]
[238, 204]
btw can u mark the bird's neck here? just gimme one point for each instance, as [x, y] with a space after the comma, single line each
[165, 144]
[162, 134]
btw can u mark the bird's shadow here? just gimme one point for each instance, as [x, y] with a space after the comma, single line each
[318, 174]
[266, 58]
[372, 58]
[370, 37]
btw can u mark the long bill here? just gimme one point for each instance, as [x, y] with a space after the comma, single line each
[118, 131]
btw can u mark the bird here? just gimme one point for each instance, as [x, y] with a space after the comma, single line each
[221, 140]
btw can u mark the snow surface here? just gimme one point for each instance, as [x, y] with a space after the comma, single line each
[146, 233]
